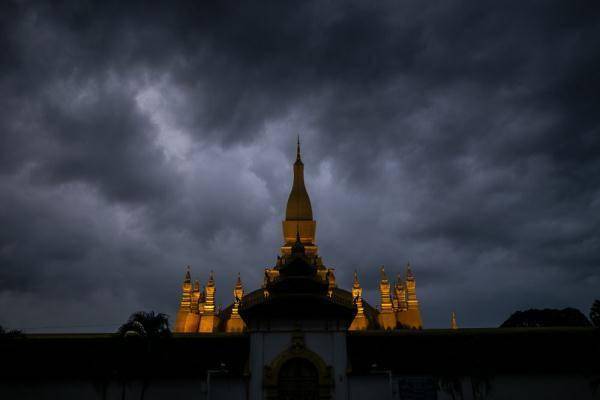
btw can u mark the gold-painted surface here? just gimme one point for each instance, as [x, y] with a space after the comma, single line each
[411, 290]
[235, 322]
[410, 319]
[360, 321]
[307, 229]
[184, 305]
[191, 323]
[209, 323]
[453, 323]
[210, 289]
[298, 205]
[384, 291]
[235, 325]
[387, 320]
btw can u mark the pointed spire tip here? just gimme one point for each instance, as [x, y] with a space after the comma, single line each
[298, 158]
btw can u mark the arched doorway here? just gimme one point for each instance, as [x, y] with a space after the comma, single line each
[298, 380]
[297, 373]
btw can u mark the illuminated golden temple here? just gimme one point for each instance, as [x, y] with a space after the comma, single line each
[398, 303]
[301, 337]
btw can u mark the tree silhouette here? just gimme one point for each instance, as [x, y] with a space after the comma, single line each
[148, 325]
[546, 318]
[595, 313]
[143, 335]
[14, 333]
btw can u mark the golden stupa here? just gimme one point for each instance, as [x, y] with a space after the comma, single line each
[398, 305]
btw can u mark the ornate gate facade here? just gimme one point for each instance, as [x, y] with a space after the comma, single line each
[298, 374]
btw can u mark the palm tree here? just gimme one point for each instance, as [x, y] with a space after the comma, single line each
[14, 333]
[148, 325]
[147, 329]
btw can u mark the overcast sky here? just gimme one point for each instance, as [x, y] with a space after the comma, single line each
[136, 139]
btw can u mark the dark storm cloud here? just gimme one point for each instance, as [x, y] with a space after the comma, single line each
[141, 137]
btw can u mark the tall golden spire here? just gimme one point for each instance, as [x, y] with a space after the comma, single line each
[298, 205]
[298, 213]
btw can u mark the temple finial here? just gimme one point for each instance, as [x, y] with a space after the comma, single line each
[298, 247]
[298, 149]
[399, 282]
[382, 272]
[384, 290]
[238, 291]
[453, 323]
[409, 273]
[356, 289]
[360, 321]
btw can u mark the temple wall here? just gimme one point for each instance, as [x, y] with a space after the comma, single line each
[320, 337]
[379, 385]
[385, 386]
[76, 389]
[541, 363]
[547, 387]
[376, 386]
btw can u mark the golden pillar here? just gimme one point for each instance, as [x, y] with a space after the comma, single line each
[413, 313]
[453, 323]
[193, 318]
[209, 321]
[400, 295]
[387, 318]
[235, 322]
[184, 305]
[360, 321]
